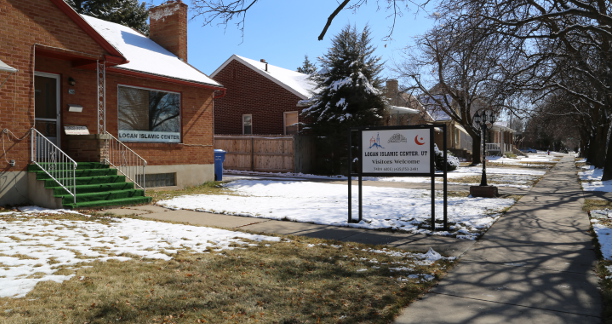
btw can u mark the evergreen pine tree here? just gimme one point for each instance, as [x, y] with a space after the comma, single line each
[307, 67]
[347, 96]
[129, 13]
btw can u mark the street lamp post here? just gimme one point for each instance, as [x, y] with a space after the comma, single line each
[484, 119]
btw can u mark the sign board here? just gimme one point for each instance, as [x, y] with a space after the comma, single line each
[405, 151]
[149, 136]
[396, 151]
[76, 130]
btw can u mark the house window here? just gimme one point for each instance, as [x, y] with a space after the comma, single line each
[153, 180]
[290, 121]
[148, 115]
[247, 129]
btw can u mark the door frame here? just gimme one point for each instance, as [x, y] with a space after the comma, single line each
[58, 79]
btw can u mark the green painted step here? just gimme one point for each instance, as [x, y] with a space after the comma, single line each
[103, 195]
[68, 166]
[41, 175]
[58, 191]
[110, 203]
[97, 185]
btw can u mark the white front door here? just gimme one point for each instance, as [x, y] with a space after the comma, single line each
[47, 105]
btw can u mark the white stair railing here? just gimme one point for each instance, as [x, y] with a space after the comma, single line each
[493, 147]
[125, 160]
[54, 162]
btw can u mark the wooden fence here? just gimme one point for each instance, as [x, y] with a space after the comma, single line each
[267, 153]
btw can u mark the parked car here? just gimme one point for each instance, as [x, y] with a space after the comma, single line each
[528, 150]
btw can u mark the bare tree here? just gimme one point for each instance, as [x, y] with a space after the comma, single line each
[224, 11]
[570, 52]
[460, 66]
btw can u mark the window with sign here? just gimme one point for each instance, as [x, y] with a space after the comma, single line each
[146, 115]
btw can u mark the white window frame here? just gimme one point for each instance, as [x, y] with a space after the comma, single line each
[164, 137]
[285, 114]
[250, 123]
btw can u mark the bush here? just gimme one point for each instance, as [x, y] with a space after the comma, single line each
[452, 161]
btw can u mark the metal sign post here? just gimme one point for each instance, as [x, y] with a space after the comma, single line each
[396, 151]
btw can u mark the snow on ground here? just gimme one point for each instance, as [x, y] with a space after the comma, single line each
[531, 160]
[590, 179]
[504, 177]
[603, 232]
[34, 247]
[325, 203]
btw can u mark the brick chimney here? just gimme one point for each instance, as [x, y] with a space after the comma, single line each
[168, 27]
[391, 91]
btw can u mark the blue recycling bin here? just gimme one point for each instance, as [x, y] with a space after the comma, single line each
[220, 156]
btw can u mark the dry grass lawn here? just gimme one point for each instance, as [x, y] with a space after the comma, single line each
[299, 280]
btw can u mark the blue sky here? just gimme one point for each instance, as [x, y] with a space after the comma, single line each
[283, 32]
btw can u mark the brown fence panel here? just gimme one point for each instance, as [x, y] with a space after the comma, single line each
[266, 153]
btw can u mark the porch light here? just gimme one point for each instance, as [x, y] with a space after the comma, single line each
[72, 81]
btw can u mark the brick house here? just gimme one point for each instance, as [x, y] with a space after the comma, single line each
[261, 99]
[78, 82]
[403, 109]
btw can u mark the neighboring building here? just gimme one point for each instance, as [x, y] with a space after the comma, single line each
[500, 139]
[261, 99]
[77, 74]
[459, 142]
[403, 109]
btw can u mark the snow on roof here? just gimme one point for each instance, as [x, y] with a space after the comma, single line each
[404, 110]
[145, 55]
[296, 82]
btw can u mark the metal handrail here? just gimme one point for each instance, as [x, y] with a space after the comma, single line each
[125, 160]
[492, 146]
[54, 162]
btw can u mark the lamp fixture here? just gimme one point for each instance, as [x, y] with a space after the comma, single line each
[72, 81]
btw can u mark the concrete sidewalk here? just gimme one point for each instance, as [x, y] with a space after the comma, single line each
[535, 265]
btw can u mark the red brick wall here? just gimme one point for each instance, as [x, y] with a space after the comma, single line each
[196, 122]
[25, 23]
[168, 27]
[248, 92]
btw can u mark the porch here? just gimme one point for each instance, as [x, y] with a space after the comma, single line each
[110, 174]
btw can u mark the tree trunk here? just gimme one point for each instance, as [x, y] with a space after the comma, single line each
[476, 150]
[606, 173]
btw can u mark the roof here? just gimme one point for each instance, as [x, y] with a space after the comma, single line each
[145, 55]
[295, 82]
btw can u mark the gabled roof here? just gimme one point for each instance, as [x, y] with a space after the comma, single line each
[295, 82]
[145, 55]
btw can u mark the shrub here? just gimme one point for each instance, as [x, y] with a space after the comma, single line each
[452, 161]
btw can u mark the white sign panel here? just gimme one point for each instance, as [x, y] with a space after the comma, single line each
[396, 151]
[148, 136]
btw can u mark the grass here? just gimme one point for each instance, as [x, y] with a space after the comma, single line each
[601, 267]
[299, 280]
[207, 188]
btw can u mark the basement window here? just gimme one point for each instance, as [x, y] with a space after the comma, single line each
[150, 116]
[153, 180]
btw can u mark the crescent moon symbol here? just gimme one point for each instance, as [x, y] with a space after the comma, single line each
[417, 140]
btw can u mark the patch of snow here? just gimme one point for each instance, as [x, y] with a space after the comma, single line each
[33, 249]
[326, 203]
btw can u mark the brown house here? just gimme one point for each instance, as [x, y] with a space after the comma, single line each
[262, 99]
[86, 90]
